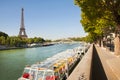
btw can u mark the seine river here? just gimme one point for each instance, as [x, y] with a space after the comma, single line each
[12, 62]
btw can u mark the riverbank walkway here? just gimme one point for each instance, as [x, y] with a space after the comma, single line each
[97, 64]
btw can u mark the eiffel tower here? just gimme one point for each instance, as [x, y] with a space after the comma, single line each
[22, 32]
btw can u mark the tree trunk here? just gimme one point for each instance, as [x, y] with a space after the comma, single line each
[100, 42]
[117, 41]
[117, 45]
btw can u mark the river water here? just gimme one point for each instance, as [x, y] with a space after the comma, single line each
[12, 62]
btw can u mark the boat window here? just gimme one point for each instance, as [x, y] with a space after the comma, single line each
[26, 70]
[48, 75]
[26, 73]
[33, 72]
[56, 74]
[40, 75]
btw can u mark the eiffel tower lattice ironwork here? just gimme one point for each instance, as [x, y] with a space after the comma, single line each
[22, 32]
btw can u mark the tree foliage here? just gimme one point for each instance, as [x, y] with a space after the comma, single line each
[16, 41]
[94, 10]
[3, 34]
[100, 17]
[38, 40]
[77, 39]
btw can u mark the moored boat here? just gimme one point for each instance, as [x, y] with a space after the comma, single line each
[53, 68]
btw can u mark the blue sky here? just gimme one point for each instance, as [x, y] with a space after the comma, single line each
[49, 19]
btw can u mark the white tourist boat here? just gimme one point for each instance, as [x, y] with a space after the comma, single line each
[53, 68]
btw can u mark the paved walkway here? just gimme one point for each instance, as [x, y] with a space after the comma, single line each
[110, 62]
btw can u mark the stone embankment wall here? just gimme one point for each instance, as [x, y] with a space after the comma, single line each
[97, 64]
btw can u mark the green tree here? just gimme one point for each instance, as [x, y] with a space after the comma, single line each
[108, 10]
[47, 40]
[38, 40]
[77, 39]
[97, 27]
[2, 40]
[8, 41]
[12, 41]
[15, 41]
[30, 40]
[3, 34]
